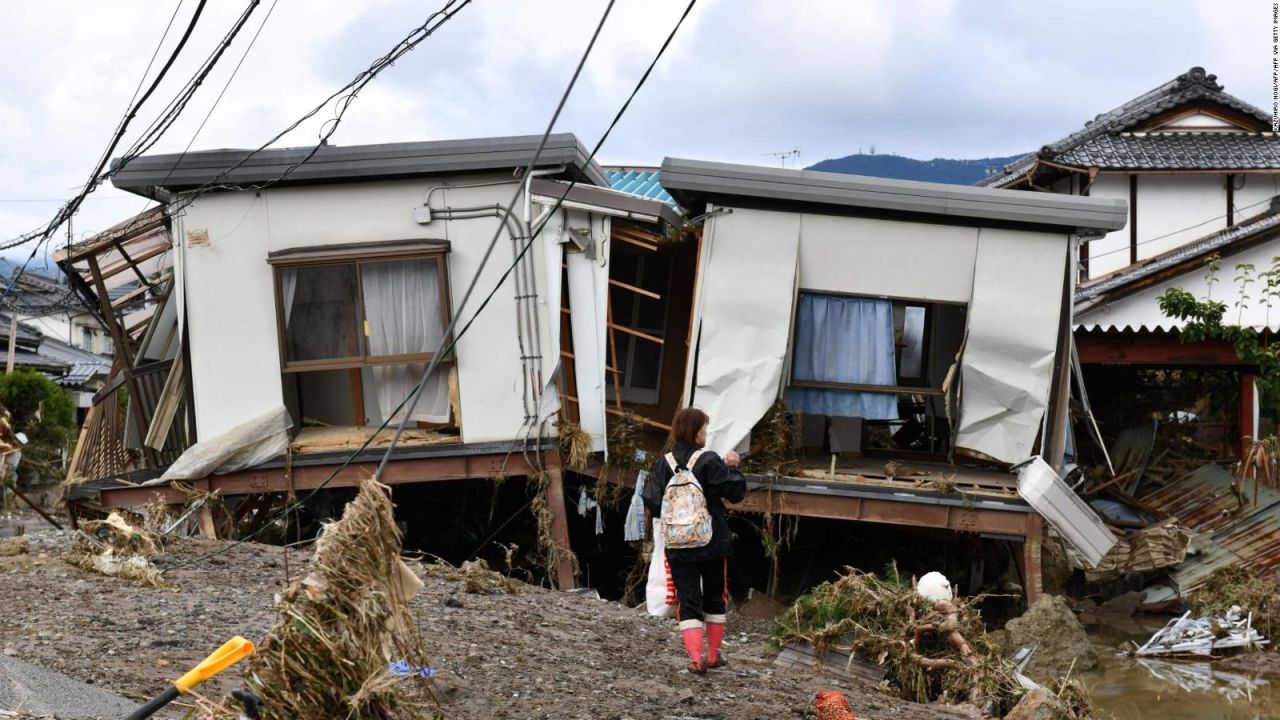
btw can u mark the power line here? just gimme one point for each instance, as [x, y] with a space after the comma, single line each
[448, 346]
[345, 95]
[236, 70]
[174, 109]
[1179, 230]
[497, 233]
[95, 177]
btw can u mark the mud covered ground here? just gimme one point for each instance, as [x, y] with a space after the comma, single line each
[533, 654]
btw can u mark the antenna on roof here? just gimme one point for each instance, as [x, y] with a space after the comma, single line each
[785, 155]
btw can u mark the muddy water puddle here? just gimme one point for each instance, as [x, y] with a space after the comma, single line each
[1130, 688]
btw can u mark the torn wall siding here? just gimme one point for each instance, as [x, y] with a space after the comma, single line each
[745, 305]
[1014, 318]
[1010, 281]
[229, 292]
[588, 278]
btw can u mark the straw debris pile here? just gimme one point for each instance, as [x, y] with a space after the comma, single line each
[343, 624]
[115, 548]
[1236, 585]
[932, 651]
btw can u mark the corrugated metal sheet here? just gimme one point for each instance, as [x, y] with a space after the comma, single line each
[1233, 529]
[645, 182]
[1205, 502]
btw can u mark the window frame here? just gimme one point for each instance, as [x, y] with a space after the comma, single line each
[357, 255]
[922, 389]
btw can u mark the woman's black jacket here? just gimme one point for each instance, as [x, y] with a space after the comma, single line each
[719, 482]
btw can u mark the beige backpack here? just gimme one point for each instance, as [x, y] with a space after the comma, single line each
[686, 522]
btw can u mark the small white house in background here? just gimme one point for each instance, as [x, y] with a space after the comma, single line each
[1189, 158]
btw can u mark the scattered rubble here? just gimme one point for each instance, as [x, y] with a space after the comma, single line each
[116, 548]
[14, 546]
[934, 651]
[1205, 635]
[1063, 645]
[534, 654]
[343, 623]
[1237, 586]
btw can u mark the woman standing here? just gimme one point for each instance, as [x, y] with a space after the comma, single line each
[699, 574]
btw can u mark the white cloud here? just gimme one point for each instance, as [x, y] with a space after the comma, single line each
[744, 78]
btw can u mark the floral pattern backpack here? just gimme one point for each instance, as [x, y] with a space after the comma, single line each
[686, 522]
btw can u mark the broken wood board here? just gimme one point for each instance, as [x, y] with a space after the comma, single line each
[321, 439]
[837, 662]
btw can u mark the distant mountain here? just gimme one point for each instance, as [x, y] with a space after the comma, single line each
[943, 170]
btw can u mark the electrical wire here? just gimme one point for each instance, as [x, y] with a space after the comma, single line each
[236, 70]
[448, 347]
[497, 233]
[1178, 231]
[344, 95]
[175, 107]
[95, 178]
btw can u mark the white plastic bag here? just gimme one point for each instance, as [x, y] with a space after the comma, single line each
[659, 593]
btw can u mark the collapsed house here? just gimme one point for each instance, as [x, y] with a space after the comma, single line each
[285, 320]
[1200, 169]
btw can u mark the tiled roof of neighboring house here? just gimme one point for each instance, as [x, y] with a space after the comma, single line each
[645, 182]
[1191, 252]
[1177, 151]
[26, 333]
[1107, 143]
[83, 365]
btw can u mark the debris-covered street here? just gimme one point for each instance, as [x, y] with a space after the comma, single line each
[533, 654]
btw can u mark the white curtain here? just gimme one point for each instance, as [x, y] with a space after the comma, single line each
[844, 340]
[288, 288]
[402, 306]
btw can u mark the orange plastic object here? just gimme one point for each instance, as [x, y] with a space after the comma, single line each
[833, 705]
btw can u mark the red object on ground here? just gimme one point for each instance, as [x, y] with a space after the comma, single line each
[833, 705]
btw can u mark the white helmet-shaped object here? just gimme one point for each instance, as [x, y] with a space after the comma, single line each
[934, 586]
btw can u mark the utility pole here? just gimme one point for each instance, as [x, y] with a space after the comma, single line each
[13, 340]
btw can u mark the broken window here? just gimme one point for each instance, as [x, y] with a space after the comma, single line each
[880, 360]
[638, 294]
[358, 326]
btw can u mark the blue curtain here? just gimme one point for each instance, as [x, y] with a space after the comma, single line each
[844, 340]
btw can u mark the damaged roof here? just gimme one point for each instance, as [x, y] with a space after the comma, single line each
[644, 182]
[332, 163]
[608, 200]
[693, 183]
[1115, 140]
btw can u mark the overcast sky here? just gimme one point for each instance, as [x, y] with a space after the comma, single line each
[744, 78]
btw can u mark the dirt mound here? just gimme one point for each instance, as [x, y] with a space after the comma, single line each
[1062, 641]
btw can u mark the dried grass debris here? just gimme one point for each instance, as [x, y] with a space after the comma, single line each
[343, 624]
[1237, 585]
[575, 445]
[933, 652]
[774, 441]
[115, 548]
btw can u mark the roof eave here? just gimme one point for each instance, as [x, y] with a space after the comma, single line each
[694, 182]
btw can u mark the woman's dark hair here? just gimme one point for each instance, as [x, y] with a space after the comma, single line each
[687, 423]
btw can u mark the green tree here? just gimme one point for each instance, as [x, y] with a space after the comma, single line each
[1209, 319]
[42, 410]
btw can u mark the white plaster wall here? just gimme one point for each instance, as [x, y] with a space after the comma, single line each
[1141, 309]
[229, 292]
[1253, 193]
[1111, 252]
[1176, 209]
